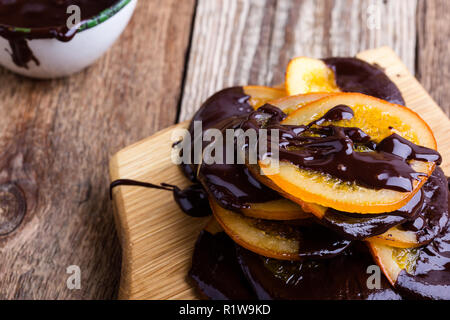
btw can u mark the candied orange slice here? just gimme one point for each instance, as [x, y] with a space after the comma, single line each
[293, 240]
[394, 237]
[273, 241]
[306, 75]
[260, 95]
[379, 119]
[393, 260]
[281, 210]
[397, 238]
[292, 103]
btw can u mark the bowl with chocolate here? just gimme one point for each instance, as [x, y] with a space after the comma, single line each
[49, 39]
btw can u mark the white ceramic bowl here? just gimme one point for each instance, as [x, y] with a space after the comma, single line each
[60, 59]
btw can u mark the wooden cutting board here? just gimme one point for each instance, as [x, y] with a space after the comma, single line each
[157, 238]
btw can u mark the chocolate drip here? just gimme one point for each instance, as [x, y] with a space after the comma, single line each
[407, 150]
[21, 53]
[331, 150]
[360, 227]
[339, 278]
[47, 19]
[434, 215]
[215, 269]
[193, 200]
[354, 75]
[233, 186]
[320, 243]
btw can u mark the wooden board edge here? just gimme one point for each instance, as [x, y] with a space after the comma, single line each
[120, 219]
[122, 231]
[387, 51]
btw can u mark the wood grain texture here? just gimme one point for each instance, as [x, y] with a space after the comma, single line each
[433, 63]
[239, 42]
[158, 239]
[56, 138]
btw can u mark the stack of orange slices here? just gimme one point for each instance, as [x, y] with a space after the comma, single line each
[348, 206]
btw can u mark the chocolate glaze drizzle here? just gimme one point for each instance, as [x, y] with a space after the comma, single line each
[360, 227]
[47, 20]
[224, 105]
[426, 215]
[321, 243]
[331, 150]
[354, 75]
[232, 186]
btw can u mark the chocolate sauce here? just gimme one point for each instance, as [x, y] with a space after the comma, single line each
[21, 53]
[354, 75]
[331, 150]
[339, 278]
[431, 276]
[222, 106]
[434, 215]
[321, 243]
[360, 227]
[215, 270]
[232, 186]
[407, 150]
[193, 200]
[47, 19]
[426, 215]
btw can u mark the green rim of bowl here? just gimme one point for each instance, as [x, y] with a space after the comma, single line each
[103, 16]
[91, 22]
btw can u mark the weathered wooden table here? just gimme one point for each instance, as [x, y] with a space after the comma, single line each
[56, 137]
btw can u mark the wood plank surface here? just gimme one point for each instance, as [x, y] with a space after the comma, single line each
[158, 239]
[239, 42]
[433, 47]
[56, 138]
